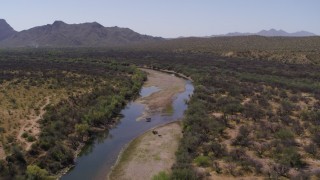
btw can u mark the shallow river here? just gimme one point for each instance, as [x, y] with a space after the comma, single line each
[97, 159]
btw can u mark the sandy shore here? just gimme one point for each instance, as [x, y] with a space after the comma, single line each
[161, 101]
[149, 154]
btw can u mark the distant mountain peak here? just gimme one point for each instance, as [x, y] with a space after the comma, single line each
[4, 24]
[95, 25]
[58, 23]
[272, 32]
[3, 21]
[5, 30]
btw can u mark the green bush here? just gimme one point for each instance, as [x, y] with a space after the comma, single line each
[36, 173]
[183, 174]
[203, 161]
[284, 134]
[161, 176]
[31, 138]
[289, 157]
[25, 135]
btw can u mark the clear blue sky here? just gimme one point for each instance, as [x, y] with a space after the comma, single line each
[169, 18]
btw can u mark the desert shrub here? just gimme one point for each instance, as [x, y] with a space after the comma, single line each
[10, 138]
[242, 138]
[25, 135]
[284, 134]
[286, 108]
[287, 120]
[36, 173]
[302, 175]
[31, 138]
[257, 165]
[253, 111]
[311, 149]
[316, 138]
[238, 154]
[203, 161]
[297, 127]
[217, 149]
[289, 156]
[232, 107]
[161, 176]
[278, 170]
[184, 174]
[263, 101]
[18, 155]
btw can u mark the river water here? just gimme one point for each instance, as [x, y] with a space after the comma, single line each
[97, 159]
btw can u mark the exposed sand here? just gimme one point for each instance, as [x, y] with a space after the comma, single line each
[161, 101]
[32, 126]
[149, 154]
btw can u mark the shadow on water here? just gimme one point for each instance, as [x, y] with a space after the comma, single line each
[97, 158]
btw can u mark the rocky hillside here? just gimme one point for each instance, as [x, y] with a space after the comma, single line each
[5, 30]
[60, 34]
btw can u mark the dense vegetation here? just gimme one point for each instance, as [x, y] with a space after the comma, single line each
[93, 95]
[247, 118]
[299, 50]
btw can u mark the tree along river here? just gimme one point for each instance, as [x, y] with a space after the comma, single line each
[97, 158]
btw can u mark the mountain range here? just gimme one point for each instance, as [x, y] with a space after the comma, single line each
[271, 33]
[60, 34]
